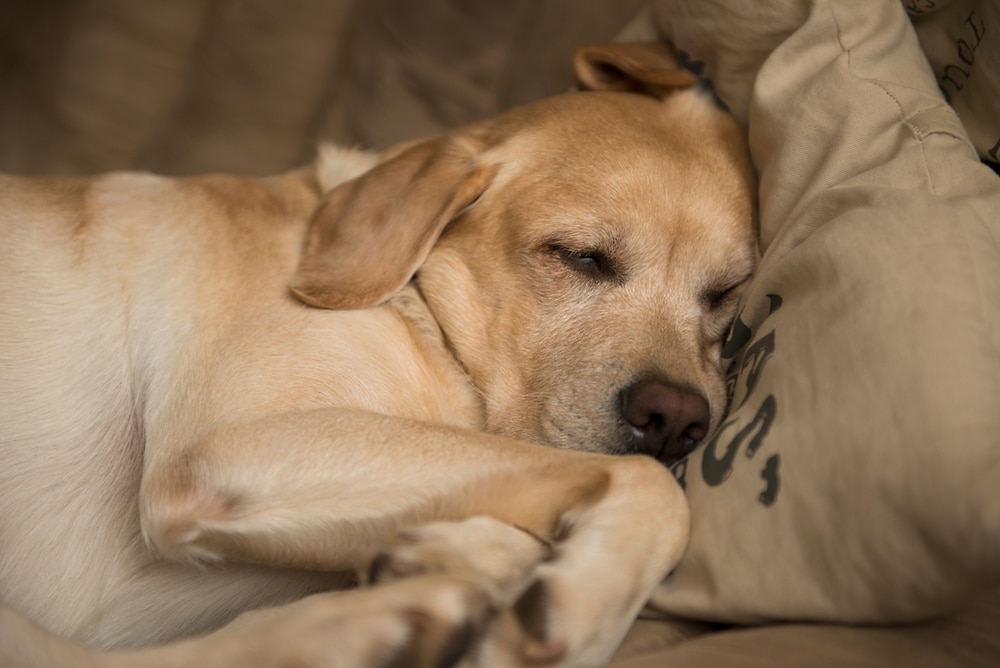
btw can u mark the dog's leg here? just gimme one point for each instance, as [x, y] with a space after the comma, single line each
[323, 489]
[507, 559]
[424, 622]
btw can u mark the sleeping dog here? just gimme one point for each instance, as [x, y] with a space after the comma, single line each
[453, 365]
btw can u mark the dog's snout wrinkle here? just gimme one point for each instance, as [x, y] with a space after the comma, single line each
[666, 420]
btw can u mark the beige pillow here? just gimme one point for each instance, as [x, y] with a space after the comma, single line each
[961, 42]
[858, 475]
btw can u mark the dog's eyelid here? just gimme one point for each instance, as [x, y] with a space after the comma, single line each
[593, 263]
[718, 297]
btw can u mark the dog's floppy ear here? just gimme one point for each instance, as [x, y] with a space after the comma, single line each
[648, 67]
[371, 234]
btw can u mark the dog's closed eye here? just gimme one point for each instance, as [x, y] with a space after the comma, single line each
[592, 263]
[718, 298]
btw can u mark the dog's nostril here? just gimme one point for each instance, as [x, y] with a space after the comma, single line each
[695, 432]
[667, 421]
[654, 422]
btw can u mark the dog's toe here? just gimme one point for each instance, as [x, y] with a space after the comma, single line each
[498, 557]
[423, 622]
[446, 622]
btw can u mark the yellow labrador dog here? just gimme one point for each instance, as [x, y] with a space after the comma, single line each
[223, 394]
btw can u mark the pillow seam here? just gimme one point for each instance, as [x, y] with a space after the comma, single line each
[903, 117]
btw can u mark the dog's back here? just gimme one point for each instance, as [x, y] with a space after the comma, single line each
[90, 332]
[69, 410]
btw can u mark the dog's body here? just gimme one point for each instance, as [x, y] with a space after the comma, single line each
[183, 439]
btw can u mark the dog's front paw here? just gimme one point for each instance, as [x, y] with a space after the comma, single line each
[496, 556]
[539, 629]
[427, 622]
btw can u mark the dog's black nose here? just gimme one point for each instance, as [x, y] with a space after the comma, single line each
[667, 421]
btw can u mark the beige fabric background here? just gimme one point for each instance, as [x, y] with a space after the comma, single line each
[959, 38]
[879, 224]
[858, 479]
[250, 86]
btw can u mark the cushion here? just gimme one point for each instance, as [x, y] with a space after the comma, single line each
[857, 476]
[965, 58]
[967, 639]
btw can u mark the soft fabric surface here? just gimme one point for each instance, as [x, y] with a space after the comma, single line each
[857, 478]
[250, 87]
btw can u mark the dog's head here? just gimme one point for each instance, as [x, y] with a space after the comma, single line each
[583, 255]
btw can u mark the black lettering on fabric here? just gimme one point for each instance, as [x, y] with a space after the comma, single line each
[978, 29]
[739, 336]
[679, 469]
[715, 469]
[765, 417]
[993, 163]
[755, 356]
[918, 7]
[956, 74]
[772, 481]
[966, 53]
[732, 377]
[719, 454]
[754, 360]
